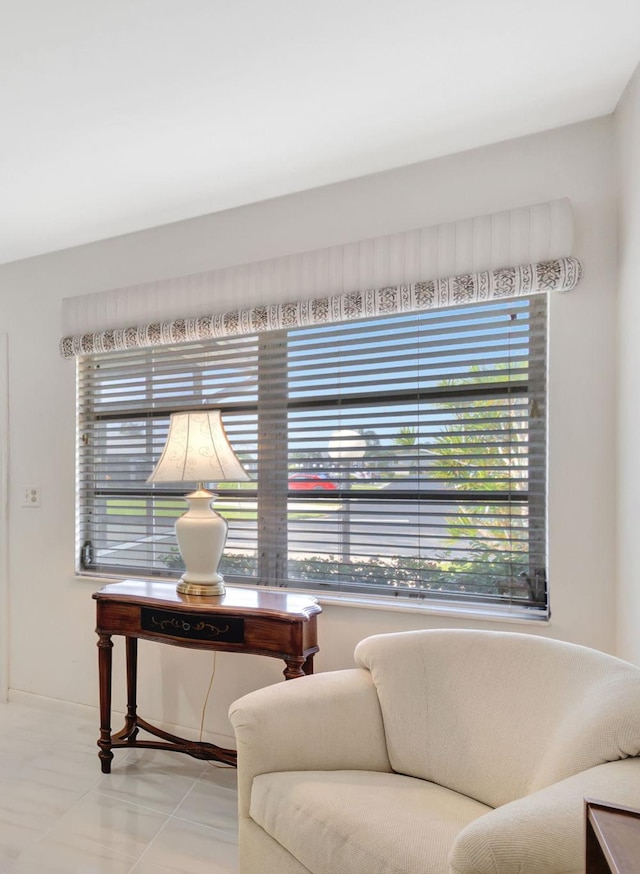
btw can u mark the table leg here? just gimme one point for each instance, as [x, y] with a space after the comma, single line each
[294, 668]
[105, 650]
[132, 686]
[131, 722]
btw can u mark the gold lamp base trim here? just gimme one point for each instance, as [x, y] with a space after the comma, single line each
[200, 588]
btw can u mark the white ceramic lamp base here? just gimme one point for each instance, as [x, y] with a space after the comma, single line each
[201, 535]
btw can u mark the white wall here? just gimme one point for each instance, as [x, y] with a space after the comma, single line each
[52, 649]
[627, 129]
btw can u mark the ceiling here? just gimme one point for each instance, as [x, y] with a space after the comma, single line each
[119, 115]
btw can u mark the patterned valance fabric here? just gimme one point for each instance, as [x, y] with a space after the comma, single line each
[561, 274]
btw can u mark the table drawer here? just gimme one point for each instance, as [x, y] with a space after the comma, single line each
[194, 626]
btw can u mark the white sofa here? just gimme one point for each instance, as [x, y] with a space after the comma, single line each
[444, 751]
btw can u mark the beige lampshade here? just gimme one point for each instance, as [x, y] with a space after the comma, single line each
[197, 450]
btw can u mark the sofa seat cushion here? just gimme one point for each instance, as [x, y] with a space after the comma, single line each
[363, 822]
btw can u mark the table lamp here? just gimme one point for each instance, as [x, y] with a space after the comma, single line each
[198, 450]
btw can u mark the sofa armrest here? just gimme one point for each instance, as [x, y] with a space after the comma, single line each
[323, 722]
[544, 833]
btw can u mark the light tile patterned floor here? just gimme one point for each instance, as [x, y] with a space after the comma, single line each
[156, 813]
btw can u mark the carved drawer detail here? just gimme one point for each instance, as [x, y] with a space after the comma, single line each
[227, 629]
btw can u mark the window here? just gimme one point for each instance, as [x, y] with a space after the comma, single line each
[399, 457]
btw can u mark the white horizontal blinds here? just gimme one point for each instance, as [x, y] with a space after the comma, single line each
[438, 504]
[526, 235]
[397, 456]
[126, 527]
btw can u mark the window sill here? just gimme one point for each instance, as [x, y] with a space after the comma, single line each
[515, 615]
[478, 612]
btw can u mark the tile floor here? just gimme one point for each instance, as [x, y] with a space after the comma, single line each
[156, 813]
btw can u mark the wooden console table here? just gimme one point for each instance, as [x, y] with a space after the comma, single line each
[612, 838]
[276, 624]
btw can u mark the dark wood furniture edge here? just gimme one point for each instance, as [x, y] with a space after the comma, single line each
[186, 605]
[608, 853]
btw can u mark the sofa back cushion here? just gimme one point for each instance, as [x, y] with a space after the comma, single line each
[496, 715]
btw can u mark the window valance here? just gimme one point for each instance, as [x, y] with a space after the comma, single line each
[561, 274]
[518, 252]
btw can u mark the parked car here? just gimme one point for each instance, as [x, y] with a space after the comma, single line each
[311, 481]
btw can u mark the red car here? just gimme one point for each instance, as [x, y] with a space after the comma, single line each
[313, 481]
